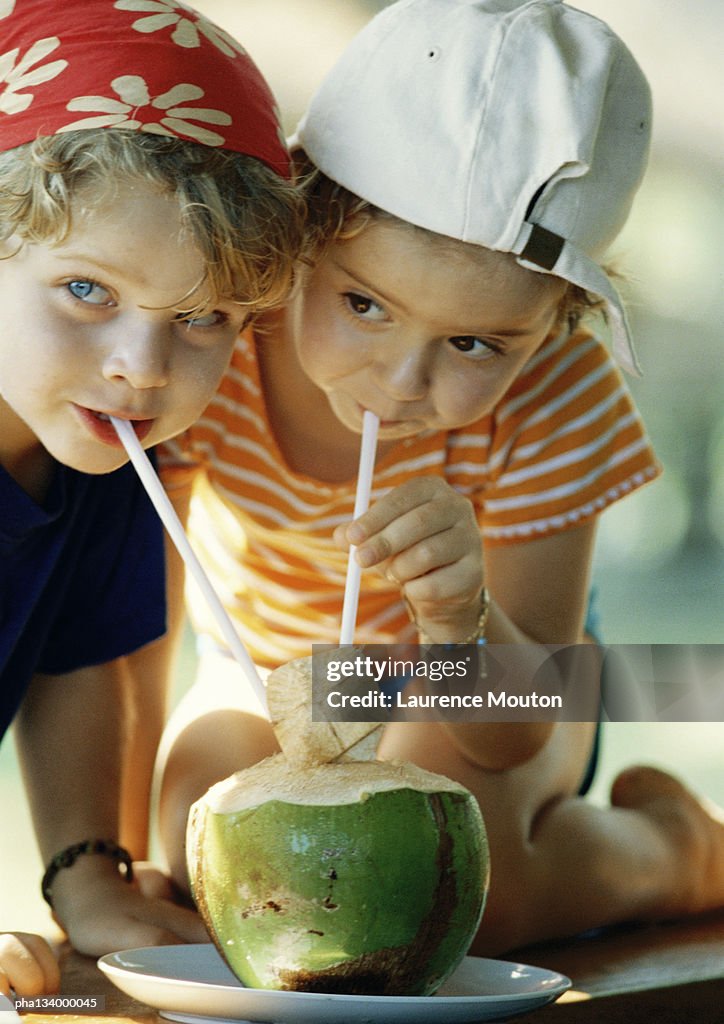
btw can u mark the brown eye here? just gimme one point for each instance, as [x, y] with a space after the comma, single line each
[464, 343]
[365, 307]
[470, 343]
[359, 304]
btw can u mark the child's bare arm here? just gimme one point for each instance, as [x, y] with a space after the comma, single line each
[70, 740]
[542, 586]
[27, 965]
[539, 591]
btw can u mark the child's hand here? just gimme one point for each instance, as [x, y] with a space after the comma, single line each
[27, 965]
[423, 535]
[106, 913]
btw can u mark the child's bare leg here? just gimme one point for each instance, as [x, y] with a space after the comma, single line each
[694, 829]
[561, 865]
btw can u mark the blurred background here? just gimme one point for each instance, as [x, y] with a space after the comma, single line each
[660, 560]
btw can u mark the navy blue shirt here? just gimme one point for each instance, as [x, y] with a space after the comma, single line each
[81, 577]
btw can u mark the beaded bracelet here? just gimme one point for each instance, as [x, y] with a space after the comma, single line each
[478, 634]
[67, 857]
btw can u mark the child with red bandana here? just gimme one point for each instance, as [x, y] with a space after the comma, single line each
[145, 216]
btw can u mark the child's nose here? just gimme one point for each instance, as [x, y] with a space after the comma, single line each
[404, 376]
[140, 355]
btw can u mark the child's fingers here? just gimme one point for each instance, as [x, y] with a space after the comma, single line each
[448, 546]
[394, 504]
[454, 585]
[27, 964]
[418, 541]
[340, 536]
[369, 529]
[153, 883]
[441, 526]
[139, 922]
[45, 958]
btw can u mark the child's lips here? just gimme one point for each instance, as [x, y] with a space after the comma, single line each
[394, 423]
[384, 421]
[100, 426]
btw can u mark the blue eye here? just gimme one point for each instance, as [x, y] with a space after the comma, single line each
[89, 291]
[214, 319]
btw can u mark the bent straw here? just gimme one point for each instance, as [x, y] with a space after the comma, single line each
[172, 523]
[370, 424]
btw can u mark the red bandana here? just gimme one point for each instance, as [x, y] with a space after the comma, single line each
[144, 65]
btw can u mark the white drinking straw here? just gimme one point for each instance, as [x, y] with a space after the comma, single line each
[370, 424]
[172, 523]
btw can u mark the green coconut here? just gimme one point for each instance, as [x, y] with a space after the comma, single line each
[357, 877]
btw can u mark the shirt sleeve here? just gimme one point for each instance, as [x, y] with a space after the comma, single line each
[566, 442]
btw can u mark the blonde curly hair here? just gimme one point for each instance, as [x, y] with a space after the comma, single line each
[247, 221]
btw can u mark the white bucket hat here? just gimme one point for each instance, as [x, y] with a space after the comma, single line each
[519, 125]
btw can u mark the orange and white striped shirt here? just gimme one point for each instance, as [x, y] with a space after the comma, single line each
[564, 443]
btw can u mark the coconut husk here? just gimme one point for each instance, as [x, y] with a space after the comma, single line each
[304, 741]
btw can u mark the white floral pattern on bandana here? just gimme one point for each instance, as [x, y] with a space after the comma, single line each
[134, 98]
[6, 8]
[22, 74]
[188, 24]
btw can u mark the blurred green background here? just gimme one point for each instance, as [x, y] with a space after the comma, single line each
[660, 561]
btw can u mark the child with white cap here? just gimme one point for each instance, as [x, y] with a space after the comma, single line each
[466, 164]
[146, 213]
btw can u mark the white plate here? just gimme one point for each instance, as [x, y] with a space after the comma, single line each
[193, 984]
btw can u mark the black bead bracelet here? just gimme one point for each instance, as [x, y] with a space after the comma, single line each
[67, 857]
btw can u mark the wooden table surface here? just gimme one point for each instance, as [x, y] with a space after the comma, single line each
[662, 974]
